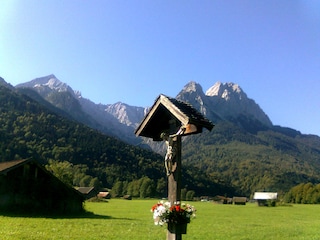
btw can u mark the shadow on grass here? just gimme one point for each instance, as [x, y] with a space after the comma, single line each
[84, 214]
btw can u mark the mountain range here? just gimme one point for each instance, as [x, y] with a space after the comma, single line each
[244, 150]
[31, 127]
[220, 102]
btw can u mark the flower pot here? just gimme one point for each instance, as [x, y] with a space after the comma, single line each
[177, 228]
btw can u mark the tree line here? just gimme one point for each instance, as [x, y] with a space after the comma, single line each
[275, 159]
[225, 161]
[81, 156]
[304, 193]
[145, 187]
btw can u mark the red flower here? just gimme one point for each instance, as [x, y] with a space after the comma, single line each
[155, 206]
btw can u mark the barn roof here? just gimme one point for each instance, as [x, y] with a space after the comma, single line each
[265, 195]
[85, 190]
[166, 109]
[8, 166]
[239, 199]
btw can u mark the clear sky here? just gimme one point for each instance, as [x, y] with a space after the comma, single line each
[131, 51]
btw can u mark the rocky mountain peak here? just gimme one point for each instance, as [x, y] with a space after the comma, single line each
[4, 83]
[231, 102]
[192, 87]
[49, 83]
[191, 91]
[126, 114]
[193, 94]
[226, 91]
[223, 101]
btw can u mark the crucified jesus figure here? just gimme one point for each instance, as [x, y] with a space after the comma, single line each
[171, 143]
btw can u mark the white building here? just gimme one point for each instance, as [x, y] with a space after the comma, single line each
[265, 198]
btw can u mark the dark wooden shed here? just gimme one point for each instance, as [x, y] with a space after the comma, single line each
[169, 115]
[88, 192]
[239, 200]
[26, 186]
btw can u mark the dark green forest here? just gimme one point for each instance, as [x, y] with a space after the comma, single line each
[304, 193]
[81, 156]
[238, 157]
[274, 159]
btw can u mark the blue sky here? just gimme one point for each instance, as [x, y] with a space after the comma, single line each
[131, 51]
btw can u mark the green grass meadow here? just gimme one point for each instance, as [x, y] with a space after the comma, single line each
[132, 220]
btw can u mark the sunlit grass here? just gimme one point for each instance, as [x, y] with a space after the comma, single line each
[125, 219]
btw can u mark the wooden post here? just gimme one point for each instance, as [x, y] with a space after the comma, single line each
[162, 123]
[174, 186]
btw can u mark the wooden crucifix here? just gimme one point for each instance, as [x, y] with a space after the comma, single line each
[168, 120]
[173, 171]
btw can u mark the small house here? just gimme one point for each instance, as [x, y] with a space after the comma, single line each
[26, 186]
[239, 200]
[105, 195]
[88, 192]
[265, 198]
[127, 197]
[222, 199]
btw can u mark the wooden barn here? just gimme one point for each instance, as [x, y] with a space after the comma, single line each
[239, 200]
[265, 198]
[222, 199]
[105, 195]
[26, 186]
[88, 192]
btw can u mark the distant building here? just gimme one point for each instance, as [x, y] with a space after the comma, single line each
[105, 195]
[239, 200]
[222, 199]
[26, 186]
[88, 192]
[127, 197]
[265, 198]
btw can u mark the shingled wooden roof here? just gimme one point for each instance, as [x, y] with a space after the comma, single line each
[7, 166]
[164, 111]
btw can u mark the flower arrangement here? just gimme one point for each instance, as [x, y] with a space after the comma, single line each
[163, 213]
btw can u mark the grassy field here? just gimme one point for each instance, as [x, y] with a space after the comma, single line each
[123, 219]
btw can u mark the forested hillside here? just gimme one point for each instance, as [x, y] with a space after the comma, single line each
[28, 129]
[305, 193]
[274, 159]
[239, 156]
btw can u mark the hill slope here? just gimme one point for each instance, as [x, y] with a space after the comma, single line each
[29, 129]
[245, 150]
[116, 120]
